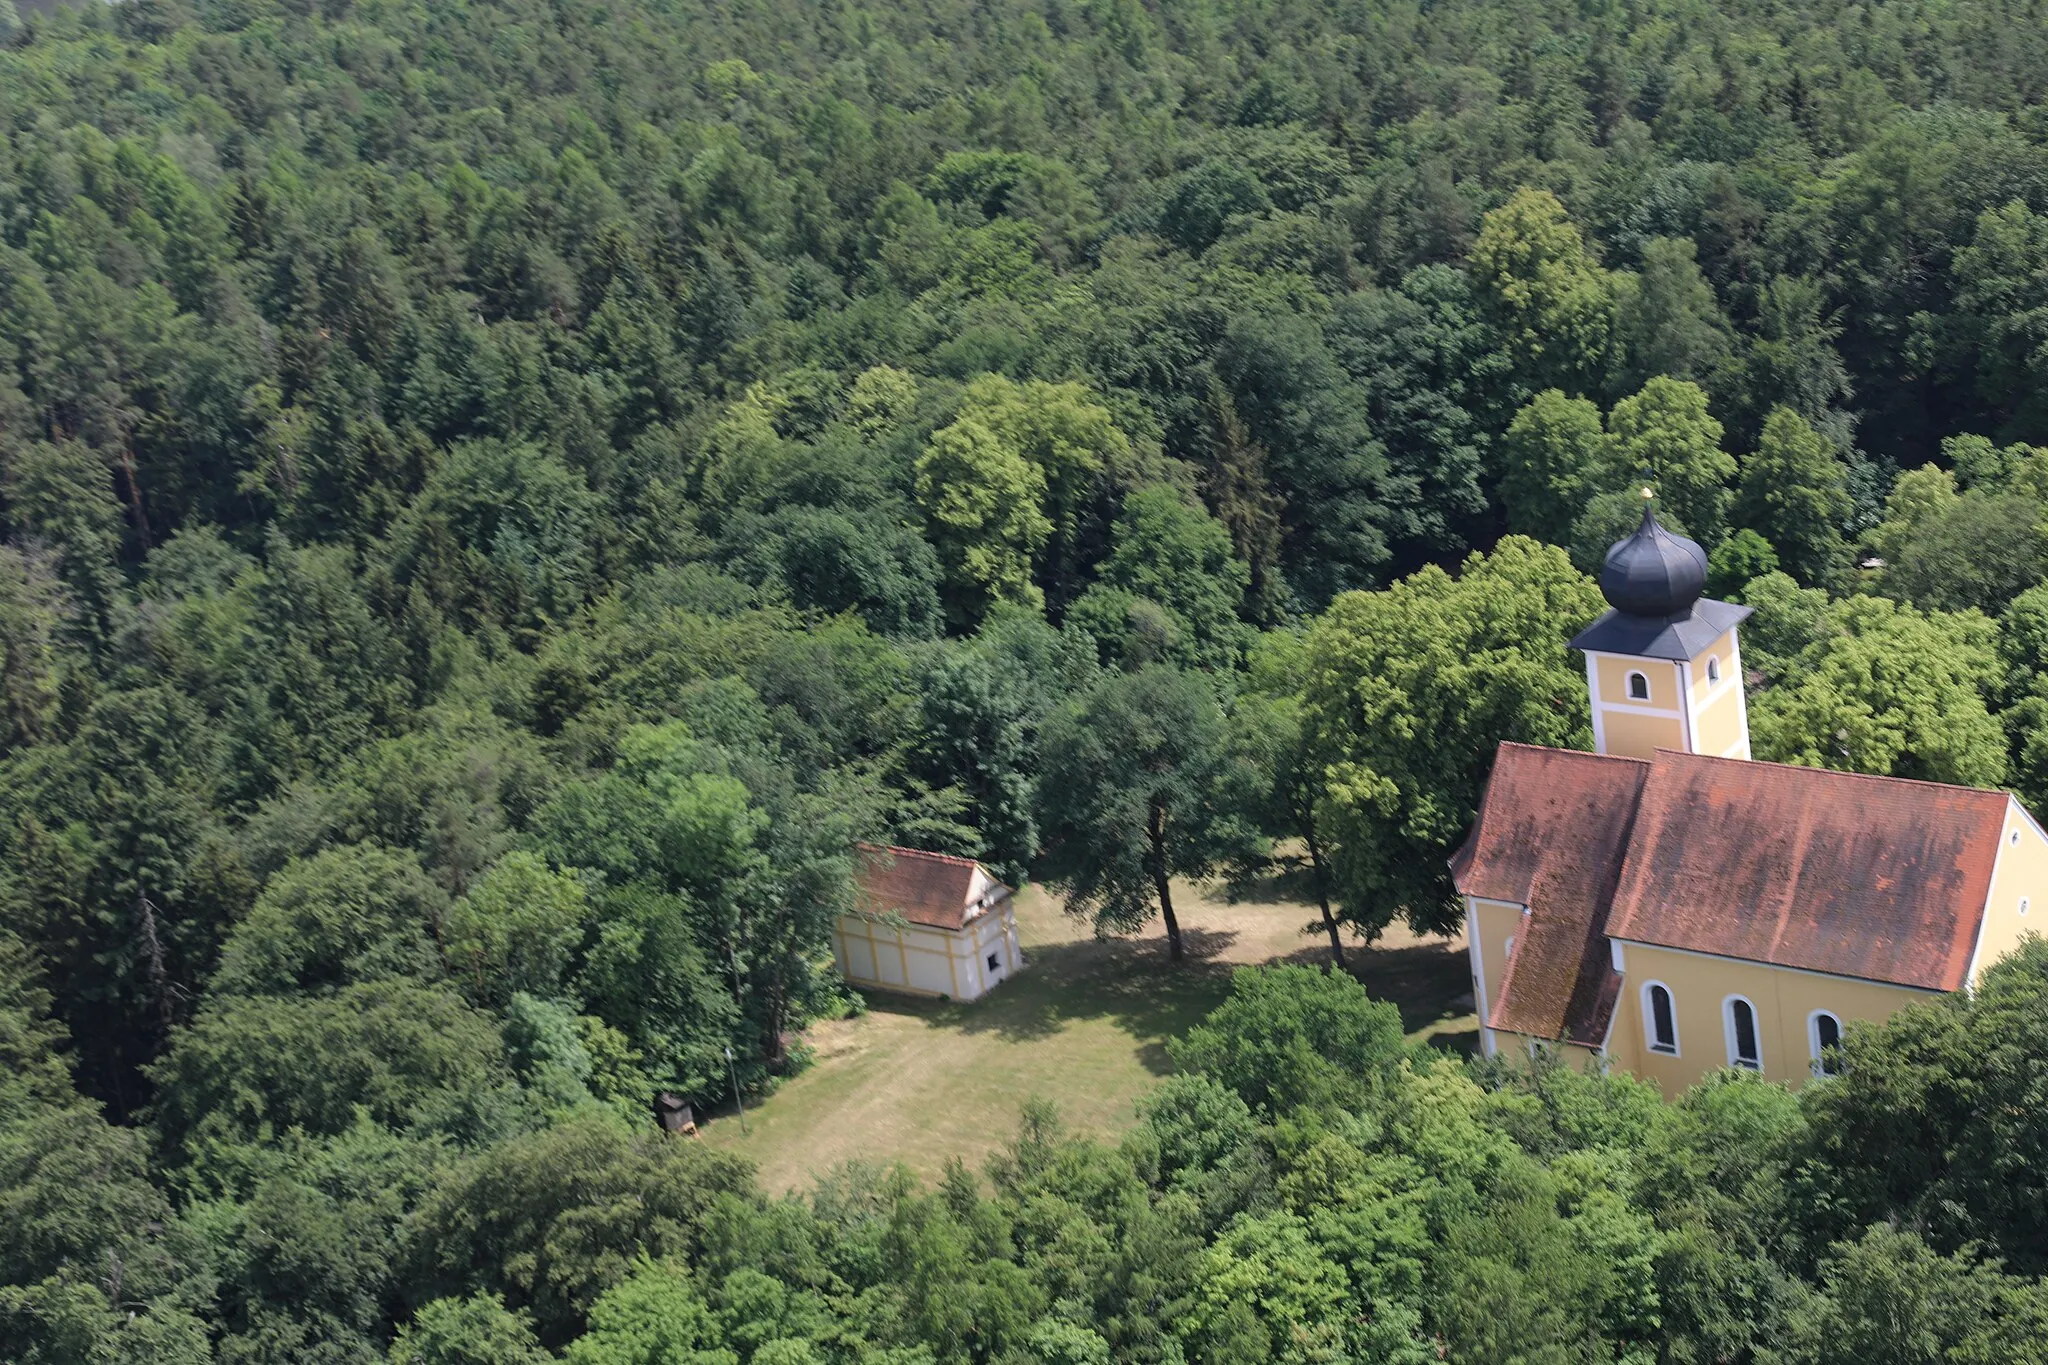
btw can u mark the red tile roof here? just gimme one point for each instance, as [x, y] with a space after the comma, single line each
[1552, 831]
[925, 888]
[1873, 877]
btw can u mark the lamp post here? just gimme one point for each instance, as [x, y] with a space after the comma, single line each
[733, 1072]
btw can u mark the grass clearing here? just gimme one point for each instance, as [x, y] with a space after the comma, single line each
[1085, 1025]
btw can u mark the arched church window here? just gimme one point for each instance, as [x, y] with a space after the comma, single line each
[1823, 1035]
[1638, 687]
[1713, 668]
[1743, 1047]
[1660, 1022]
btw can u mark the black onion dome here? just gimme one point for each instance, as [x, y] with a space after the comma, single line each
[1652, 572]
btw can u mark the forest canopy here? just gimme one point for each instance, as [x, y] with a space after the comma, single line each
[497, 498]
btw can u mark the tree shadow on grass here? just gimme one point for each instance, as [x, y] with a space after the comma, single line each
[1462, 1043]
[1422, 980]
[1129, 982]
[1132, 984]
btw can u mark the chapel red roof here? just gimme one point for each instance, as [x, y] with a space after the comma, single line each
[935, 889]
[1874, 877]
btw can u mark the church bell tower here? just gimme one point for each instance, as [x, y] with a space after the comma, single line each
[1663, 664]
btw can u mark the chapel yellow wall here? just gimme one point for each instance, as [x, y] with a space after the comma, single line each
[1636, 736]
[1699, 984]
[1612, 670]
[919, 960]
[2022, 871]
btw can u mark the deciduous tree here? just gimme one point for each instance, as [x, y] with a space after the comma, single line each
[1409, 691]
[1137, 786]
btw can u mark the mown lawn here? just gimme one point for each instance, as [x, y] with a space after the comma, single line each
[1085, 1026]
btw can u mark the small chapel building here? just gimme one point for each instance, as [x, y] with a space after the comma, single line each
[1674, 907]
[927, 924]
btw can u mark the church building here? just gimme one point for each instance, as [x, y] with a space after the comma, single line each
[1676, 907]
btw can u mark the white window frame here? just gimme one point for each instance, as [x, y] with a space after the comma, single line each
[1813, 1036]
[1713, 668]
[1756, 1026]
[1629, 684]
[1650, 1020]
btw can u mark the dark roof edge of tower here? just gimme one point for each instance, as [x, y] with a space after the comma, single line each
[1661, 637]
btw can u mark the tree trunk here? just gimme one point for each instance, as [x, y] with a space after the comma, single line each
[127, 463]
[1315, 863]
[153, 959]
[1156, 828]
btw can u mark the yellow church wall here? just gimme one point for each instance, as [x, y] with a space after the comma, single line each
[1521, 1047]
[1611, 678]
[1634, 735]
[2021, 874]
[1723, 649]
[1489, 928]
[1719, 724]
[1699, 983]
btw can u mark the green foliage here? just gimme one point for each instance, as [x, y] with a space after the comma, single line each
[498, 499]
[985, 502]
[1314, 422]
[552, 1220]
[1011, 479]
[408, 1055]
[1913, 1131]
[1408, 692]
[1794, 493]
[478, 1330]
[1549, 297]
[1170, 590]
[1137, 786]
[654, 1318]
[1738, 561]
[1667, 320]
[2002, 310]
[76, 1196]
[351, 914]
[1554, 455]
[1293, 1038]
[1946, 550]
[516, 929]
[1664, 435]
[1884, 688]
[979, 722]
[1887, 1298]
